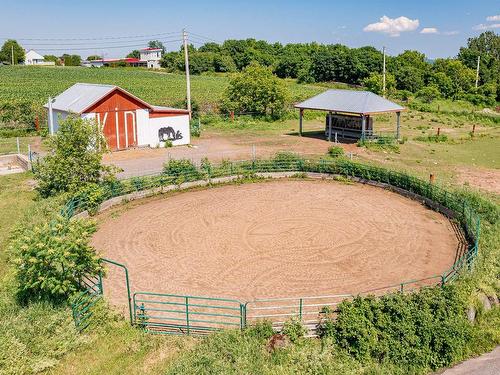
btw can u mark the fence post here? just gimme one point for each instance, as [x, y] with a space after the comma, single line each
[18, 148]
[187, 315]
[300, 309]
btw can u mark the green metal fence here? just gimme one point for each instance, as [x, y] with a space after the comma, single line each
[166, 313]
[84, 302]
[182, 314]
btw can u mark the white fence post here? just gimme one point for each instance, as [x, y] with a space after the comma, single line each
[18, 148]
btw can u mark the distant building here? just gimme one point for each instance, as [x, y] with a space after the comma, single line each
[129, 61]
[151, 56]
[34, 58]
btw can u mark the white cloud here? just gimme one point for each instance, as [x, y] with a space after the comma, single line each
[392, 26]
[483, 26]
[429, 30]
[453, 32]
[493, 18]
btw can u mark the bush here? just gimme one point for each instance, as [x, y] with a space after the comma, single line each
[74, 158]
[257, 91]
[261, 330]
[432, 138]
[294, 329]
[52, 258]
[90, 196]
[182, 169]
[415, 331]
[336, 151]
[285, 161]
[428, 94]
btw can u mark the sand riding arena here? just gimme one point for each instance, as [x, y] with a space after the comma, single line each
[282, 238]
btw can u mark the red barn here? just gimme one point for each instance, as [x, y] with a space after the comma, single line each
[125, 120]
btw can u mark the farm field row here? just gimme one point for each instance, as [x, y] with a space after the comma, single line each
[36, 84]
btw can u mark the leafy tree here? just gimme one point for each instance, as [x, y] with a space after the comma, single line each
[224, 64]
[6, 52]
[172, 61]
[256, 90]
[71, 60]
[74, 159]
[210, 47]
[53, 58]
[442, 82]
[374, 83]
[53, 257]
[336, 63]
[462, 77]
[94, 57]
[409, 78]
[428, 94]
[135, 54]
[156, 44]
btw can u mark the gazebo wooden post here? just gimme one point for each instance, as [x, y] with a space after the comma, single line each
[363, 127]
[329, 126]
[301, 114]
[398, 125]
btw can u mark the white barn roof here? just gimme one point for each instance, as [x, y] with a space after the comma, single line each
[349, 101]
[33, 55]
[80, 96]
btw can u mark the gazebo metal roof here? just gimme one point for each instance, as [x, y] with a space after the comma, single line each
[350, 101]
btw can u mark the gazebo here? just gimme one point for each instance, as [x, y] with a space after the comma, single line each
[349, 112]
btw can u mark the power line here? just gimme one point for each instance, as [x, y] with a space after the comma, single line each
[99, 38]
[102, 47]
[205, 37]
[89, 43]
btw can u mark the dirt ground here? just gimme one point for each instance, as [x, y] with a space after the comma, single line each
[485, 179]
[285, 238]
[217, 147]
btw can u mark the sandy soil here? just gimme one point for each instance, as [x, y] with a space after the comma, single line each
[485, 179]
[274, 239]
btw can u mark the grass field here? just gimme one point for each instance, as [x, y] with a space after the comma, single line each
[36, 84]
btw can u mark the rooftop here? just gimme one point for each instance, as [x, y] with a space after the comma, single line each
[350, 101]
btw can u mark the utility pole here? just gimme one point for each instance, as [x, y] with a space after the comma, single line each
[383, 73]
[477, 70]
[186, 63]
[12, 53]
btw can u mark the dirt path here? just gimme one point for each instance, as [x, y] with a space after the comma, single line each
[217, 147]
[487, 364]
[274, 239]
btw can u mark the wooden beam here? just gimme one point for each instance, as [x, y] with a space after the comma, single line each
[363, 127]
[329, 126]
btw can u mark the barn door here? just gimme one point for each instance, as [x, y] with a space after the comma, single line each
[119, 129]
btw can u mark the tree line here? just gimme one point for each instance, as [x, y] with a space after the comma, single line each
[408, 72]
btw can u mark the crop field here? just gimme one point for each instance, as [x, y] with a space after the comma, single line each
[36, 84]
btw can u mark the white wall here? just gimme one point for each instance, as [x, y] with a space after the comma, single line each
[58, 117]
[147, 131]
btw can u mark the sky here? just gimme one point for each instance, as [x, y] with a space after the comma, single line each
[438, 28]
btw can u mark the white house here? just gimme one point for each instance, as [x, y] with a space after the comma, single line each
[125, 120]
[34, 58]
[152, 56]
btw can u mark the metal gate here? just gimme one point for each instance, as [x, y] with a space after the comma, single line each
[83, 302]
[279, 310]
[182, 314]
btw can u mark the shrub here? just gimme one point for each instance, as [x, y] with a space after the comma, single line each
[168, 143]
[294, 329]
[182, 169]
[74, 158]
[415, 331]
[285, 161]
[258, 91]
[428, 94]
[261, 330]
[51, 259]
[432, 138]
[336, 151]
[90, 196]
